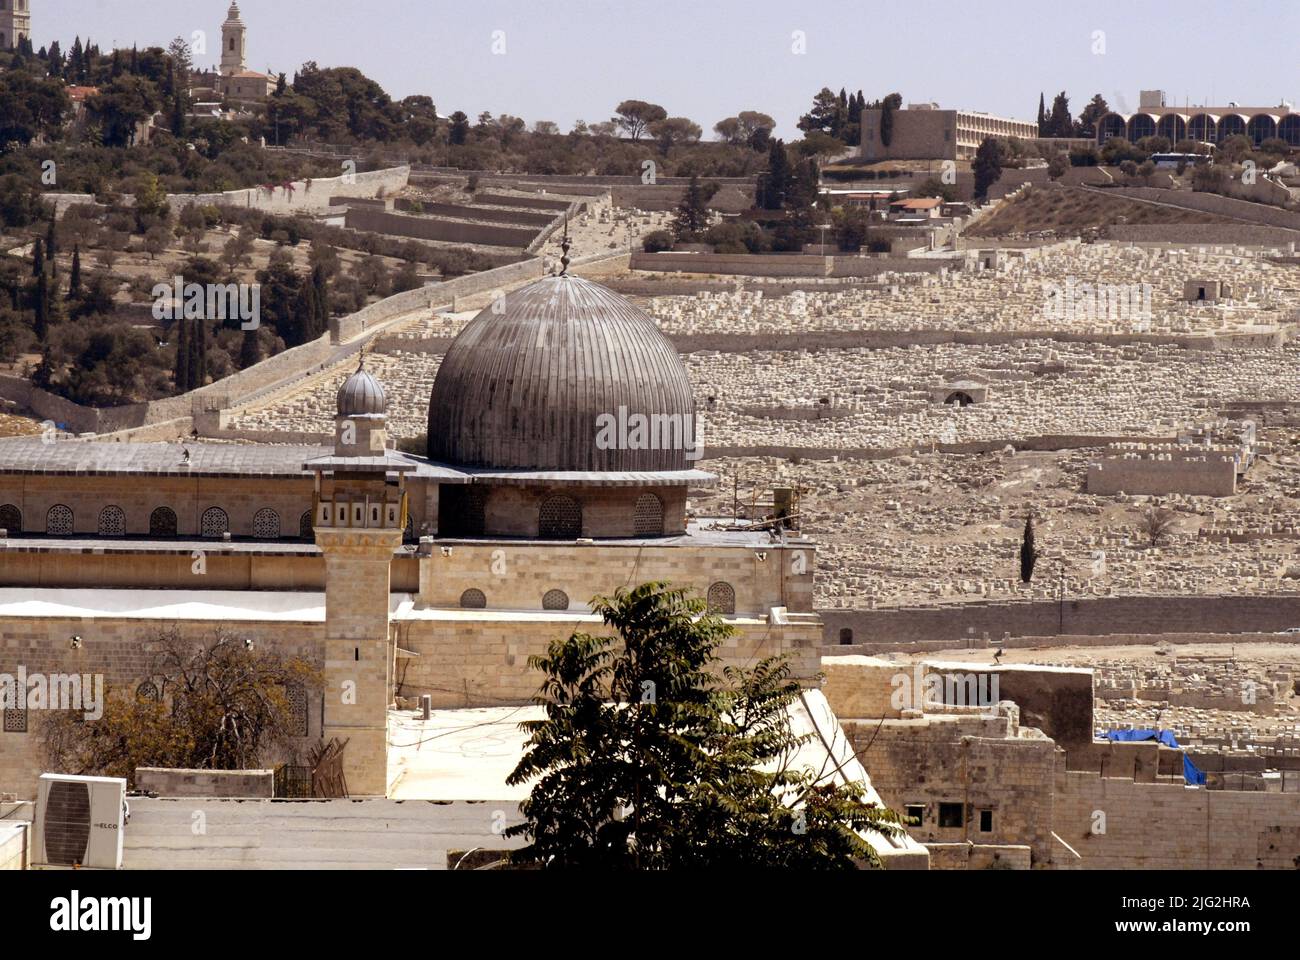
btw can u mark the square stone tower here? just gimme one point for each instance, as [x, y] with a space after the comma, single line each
[15, 23]
[234, 36]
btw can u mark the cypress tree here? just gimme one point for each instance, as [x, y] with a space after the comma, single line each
[322, 300]
[182, 356]
[38, 258]
[250, 351]
[199, 370]
[1028, 552]
[41, 296]
[74, 278]
[52, 239]
[304, 313]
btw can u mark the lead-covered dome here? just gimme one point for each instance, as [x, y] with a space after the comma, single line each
[558, 376]
[361, 396]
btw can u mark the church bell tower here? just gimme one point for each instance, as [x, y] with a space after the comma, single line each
[233, 38]
[15, 23]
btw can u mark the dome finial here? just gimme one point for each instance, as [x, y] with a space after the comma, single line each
[564, 246]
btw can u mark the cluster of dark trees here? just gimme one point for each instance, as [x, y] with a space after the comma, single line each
[1057, 122]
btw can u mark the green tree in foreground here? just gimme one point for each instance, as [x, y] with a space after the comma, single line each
[647, 760]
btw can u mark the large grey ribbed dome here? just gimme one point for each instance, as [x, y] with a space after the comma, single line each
[523, 385]
[361, 396]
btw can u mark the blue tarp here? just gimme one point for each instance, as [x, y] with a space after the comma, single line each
[1191, 773]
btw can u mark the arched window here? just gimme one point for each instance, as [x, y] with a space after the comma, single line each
[162, 522]
[408, 534]
[58, 521]
[214, 522]
[11, 519]
[722, 598]
[112, 522]
[560, 518]
[305, 528]
[266, 524]
[473, 600]
[649, 516]
[147, 691]
[555, 600]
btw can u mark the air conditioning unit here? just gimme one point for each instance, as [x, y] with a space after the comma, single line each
[79, 823]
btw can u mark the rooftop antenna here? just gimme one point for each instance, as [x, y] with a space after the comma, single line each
[564, 246]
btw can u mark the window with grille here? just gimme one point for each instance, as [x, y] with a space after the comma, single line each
[722, 598]
[305, 528]
[58, 521]
[112, 522]
[214, 522]
[147, 691]
[296, 694]
[649, 516]
[162, 522]
[11, 518]
[555, 600]
[266, 524]
[560, 519]
[16, 720]
[473, 600]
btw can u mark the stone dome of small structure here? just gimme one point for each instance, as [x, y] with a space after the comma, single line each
[532, 381]
[362, 396]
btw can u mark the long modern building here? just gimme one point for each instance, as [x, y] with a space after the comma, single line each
[1203, 124]
[924, 131]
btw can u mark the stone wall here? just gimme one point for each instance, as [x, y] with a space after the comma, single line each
[953, 624]
[1209, 234]
[305, 197]
[972, 761]
[429, 228]
[121, 650]
[1163, 474]
[1157, 826]
[1210, 203]
[785, 265]
[205, 783]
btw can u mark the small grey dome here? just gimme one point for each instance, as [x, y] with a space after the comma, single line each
[361, 396]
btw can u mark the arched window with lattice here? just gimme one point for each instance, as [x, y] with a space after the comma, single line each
[560, 518]
[722, 599]
[306, 529]
[112, 522]
[473, 600]
[11, 519]
[266, 524]
[162, 522]
[648, 518]
[214, 522]
[58, 521]
[555, 600]
[408, 534]
[147, 691]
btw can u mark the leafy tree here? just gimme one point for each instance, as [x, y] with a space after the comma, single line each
[1059, 123]
[635, 116]
[120, 106]
[1156, 523]
[693, 211]
[827, 115]
[1028, 552]
[657, 241]
[458, 132]
[222, 706]
[672, 131]
[645, 760]
[1093, 111]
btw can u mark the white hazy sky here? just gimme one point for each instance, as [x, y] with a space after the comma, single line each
[707, 59]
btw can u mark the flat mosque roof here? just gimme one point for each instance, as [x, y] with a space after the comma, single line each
[467, 754]
[232, 605]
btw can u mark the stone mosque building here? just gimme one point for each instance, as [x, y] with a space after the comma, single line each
[398, 575]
